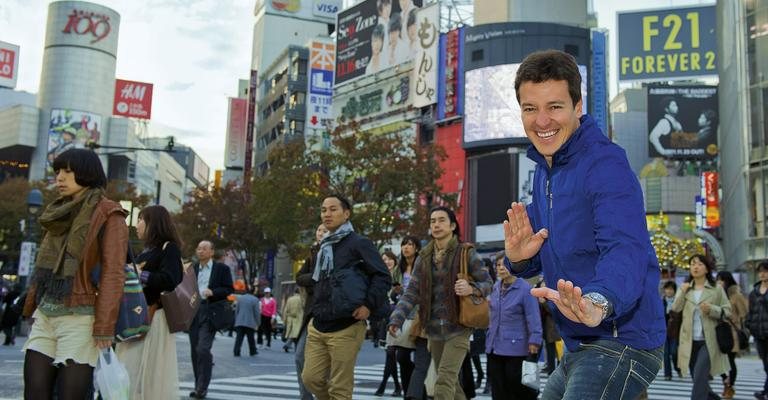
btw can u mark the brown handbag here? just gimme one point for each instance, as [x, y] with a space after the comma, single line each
[181, 303]
[473, 310]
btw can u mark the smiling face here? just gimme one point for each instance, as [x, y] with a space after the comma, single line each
[549, 115]
[390, 263]
[66, 184]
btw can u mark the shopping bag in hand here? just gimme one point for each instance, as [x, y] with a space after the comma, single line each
[531, 373]
[111, 377]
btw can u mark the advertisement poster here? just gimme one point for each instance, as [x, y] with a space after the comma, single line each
[319, 105]
[235, 145]
[667, 44]
[9, 64]
[371, 38]
[425, 64]
[682, 121]
[70, 129]
[132, 99]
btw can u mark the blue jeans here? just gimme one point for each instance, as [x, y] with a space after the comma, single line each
[670, 357]
[604, 370]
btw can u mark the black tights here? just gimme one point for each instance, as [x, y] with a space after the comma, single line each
[731, 376]
[40, 376]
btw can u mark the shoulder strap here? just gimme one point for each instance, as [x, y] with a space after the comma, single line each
[464, 261]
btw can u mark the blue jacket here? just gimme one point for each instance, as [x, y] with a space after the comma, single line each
[515, 320]
[591, 203]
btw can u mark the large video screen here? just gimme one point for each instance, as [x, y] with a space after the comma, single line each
[492, 113]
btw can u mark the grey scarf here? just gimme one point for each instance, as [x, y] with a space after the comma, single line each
[324, 263]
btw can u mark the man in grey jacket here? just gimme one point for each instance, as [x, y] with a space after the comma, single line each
[247, 312]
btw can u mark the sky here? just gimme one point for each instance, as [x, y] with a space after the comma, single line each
[194, 52]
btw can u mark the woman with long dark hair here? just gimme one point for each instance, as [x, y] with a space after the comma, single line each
[151, 362]
[74, 313]
[405, 344]
[390, 363]
[702, 304]
[738, 315]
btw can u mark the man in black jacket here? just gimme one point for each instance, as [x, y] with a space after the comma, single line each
[351, 283]
[757, 321]
[215, 283]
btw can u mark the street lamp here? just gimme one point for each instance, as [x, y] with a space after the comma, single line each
[29, 245]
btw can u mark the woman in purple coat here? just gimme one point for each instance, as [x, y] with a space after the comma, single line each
[514, 334]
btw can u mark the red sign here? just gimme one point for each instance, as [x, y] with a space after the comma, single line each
[451, 72]
[7, 63]
[133, 99]
[88, 23]
[712, 199]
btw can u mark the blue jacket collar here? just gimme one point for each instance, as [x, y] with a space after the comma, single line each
[584, 135]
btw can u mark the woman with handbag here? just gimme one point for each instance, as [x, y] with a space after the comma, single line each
[738, 315]
[404, 346]
[151, 362]
[73, 320]
[514, 334]
[703, 304]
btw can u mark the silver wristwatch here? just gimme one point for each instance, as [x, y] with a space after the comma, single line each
[600, 301]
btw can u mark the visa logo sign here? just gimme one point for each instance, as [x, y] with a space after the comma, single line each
[326, 8]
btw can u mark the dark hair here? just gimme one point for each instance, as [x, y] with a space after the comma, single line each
[545, 65]
[345, 204]
[666, 101]
[491, 268]
[498, 256]
[670, 285]
[159, 227]
[402, 262]
[762, 265]
[451, 217]
[708, 262]
[382, 3]
[391, 255]
[85, 164]
[395, 24]
[378, 32]
[411, 18]
[727, 279]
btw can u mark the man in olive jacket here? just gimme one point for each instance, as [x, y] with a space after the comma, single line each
[352, 283]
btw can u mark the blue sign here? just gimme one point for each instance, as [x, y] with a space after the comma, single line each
[321, 82]
[599, 81]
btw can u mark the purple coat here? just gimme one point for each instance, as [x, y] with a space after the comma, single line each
[515, 320]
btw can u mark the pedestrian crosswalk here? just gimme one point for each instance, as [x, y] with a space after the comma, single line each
[270, 386]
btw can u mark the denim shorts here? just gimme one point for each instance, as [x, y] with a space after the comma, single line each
[605, 370]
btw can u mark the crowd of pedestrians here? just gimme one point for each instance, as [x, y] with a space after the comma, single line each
[592, 299]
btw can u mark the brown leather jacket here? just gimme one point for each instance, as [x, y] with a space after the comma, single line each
[108, 249]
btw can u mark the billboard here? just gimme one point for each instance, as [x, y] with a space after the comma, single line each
[319, 105]
[82, 24]
[236, 133]
[667, 44]
[682, 122]
[371, 39]
[70, 129]
[9, 64]
[492, 113]
[450, 94]
[424, 75]
[132, 99]
[315, 10]
[363, 105]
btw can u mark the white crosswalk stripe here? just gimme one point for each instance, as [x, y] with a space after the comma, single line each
[267, 386]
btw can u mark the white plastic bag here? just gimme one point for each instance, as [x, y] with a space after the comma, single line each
[530, 374]
[111, 377]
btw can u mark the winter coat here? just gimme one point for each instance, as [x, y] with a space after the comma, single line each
[684, 302]
[738, 314]
[293, 314]
[515, 320]
[757, 318]
[591, 203]
[247, 311]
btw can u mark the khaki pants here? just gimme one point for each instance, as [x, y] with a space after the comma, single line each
[329, 361]
[448, 355]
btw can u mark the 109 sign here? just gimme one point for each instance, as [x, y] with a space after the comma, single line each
[87, 22]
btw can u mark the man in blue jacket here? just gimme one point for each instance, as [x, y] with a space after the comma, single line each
[586, 231]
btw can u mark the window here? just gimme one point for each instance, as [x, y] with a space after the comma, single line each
[297, 99]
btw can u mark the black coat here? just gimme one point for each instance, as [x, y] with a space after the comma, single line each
[220, 282]
[359, 278]
[757, 317]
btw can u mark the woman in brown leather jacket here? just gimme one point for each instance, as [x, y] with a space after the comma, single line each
[73, 320]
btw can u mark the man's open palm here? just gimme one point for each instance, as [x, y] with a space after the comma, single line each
[520, 243]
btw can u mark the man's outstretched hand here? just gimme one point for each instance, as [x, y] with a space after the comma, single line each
[520, 243]
[568, 300]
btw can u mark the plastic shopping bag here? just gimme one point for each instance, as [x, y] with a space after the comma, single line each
[111, 377]
[530, 374]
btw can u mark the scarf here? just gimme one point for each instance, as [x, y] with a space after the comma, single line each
[324, 263]
[66, 222]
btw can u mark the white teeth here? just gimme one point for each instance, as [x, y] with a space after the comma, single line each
[546, 134]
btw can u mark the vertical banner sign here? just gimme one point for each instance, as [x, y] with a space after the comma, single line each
[424, 75]
[321, 64]
[26, 258]
[250, 127]
[667, 44]
[236, 133]
[132, 99]
[712, 200]
[682, 122]
[450, 75]
[9, 64]
[599, 81]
